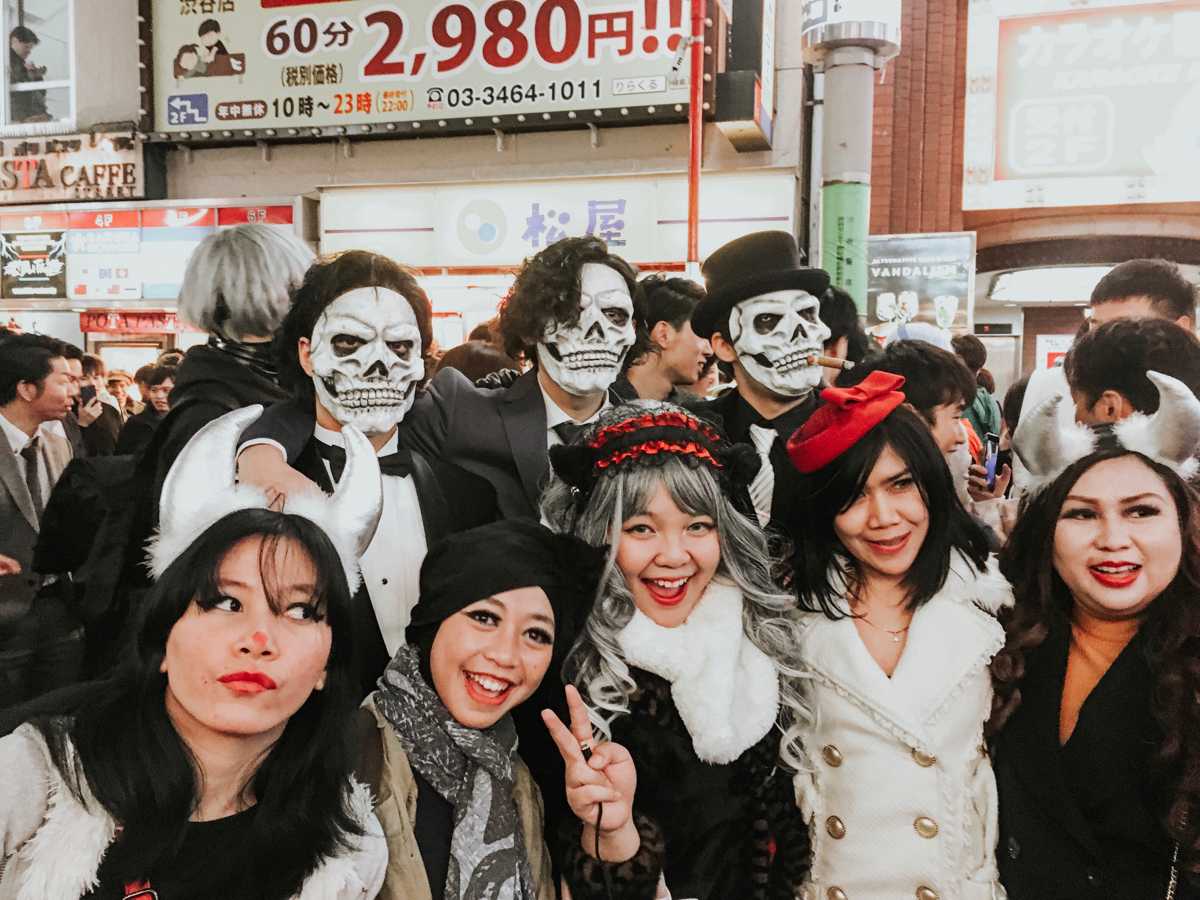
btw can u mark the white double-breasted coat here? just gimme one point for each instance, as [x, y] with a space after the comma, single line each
[901, 799]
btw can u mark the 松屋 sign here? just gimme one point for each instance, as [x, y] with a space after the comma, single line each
[295, 65]
[70, 167]
[1072, 106]
[641, 218]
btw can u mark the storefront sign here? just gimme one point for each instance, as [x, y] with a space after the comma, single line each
[168, 238]
[1082, 106]
[104, 254]
[114, 253]
[72, 167]
[1051, 348]
[241, 64]
[112, 321]
[33, 249]
[920, 278]
[643, 219]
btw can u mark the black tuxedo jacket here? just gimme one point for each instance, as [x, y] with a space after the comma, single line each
[451, 500]
[1084, 819]
[735, 416]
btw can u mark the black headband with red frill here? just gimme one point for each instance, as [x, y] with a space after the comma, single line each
[650, 438]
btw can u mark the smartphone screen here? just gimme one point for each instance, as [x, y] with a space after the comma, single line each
[86, 393]
[991, 448]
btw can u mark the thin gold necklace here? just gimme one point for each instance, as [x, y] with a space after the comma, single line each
[895, 634]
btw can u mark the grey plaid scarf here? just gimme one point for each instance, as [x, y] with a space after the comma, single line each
[473, 770]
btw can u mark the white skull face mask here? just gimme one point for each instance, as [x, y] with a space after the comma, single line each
[774, 334]
[366, 359]
[585, 358]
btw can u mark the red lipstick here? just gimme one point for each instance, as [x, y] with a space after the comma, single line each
[891, 545]
[666, 596]
[1116, 574]
[248, 682]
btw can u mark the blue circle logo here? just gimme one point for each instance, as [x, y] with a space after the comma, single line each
[482, 226]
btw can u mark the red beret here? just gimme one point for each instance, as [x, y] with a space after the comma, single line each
[848, 414]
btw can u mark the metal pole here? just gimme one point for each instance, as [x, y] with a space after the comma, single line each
[848, 43]
[846, 168]
[695, 138]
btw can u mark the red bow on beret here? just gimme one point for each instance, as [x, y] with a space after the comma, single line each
[848, 414]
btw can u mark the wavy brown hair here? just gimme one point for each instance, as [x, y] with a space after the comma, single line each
[547, 290]
[1171, 629]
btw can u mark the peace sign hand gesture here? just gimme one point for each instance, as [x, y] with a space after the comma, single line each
[607, 778]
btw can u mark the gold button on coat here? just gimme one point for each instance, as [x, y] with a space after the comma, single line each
[926, 893]
[926, 827]
[835, 893]
[832, 755]
[924, 760]
[836, 828]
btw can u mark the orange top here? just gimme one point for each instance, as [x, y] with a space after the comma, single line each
[1095, 643]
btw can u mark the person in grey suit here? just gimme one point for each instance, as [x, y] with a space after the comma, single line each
[571, 315]
[36, 387]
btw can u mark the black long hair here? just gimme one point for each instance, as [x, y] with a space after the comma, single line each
[1171, 628]
[830, 491]
[117, 734]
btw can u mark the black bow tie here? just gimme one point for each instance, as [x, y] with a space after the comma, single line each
[398, 463]
[568, 431]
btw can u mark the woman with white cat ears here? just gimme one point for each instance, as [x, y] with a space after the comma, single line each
[689, 662]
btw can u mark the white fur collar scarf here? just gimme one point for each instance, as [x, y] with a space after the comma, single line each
[725, 688]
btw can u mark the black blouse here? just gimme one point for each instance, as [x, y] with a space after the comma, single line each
[213, 861]
[719, 821]
[1084, 819]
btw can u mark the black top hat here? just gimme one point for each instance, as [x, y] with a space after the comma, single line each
[746, 267]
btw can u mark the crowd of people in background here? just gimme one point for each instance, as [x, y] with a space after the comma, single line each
[649, 589]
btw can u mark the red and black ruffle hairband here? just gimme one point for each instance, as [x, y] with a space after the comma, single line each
[646, 440]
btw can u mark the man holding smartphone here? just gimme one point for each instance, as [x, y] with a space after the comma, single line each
[99, 423]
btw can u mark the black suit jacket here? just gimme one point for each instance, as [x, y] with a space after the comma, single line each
[1083, 820]
[451, 499]
[735, 416]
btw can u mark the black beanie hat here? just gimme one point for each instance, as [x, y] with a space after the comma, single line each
[472, 565]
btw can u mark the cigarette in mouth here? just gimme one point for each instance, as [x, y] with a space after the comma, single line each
[830, 362]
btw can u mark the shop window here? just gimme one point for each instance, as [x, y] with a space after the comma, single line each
[39, 96]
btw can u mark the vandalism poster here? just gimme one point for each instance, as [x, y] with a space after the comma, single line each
[279, 64]
[920, 278]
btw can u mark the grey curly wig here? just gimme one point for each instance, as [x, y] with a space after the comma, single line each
[595, 664]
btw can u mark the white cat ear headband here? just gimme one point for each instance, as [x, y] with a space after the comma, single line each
[1170, 437]
[201, 488]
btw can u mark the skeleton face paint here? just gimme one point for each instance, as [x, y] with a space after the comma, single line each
[366, 359]
[585, 358]
[774, 334]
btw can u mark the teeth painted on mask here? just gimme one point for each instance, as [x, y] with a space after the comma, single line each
[795, 360]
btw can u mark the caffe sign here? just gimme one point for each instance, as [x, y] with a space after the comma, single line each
[98, 166]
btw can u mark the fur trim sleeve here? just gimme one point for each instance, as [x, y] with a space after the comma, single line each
[24, 789]
[634, 879]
